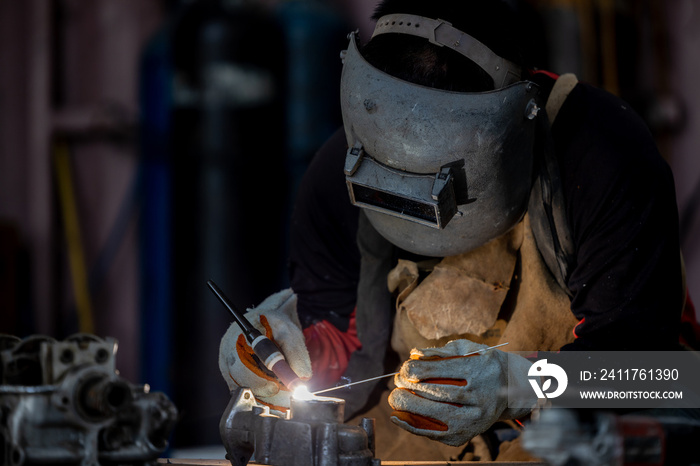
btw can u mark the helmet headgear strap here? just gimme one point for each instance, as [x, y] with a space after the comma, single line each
[442, 33]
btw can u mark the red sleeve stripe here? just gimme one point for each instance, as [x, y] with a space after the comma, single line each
[580, 322]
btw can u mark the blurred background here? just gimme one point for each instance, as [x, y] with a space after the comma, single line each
[147, 146]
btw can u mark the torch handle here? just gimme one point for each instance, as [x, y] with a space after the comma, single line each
[265, 349]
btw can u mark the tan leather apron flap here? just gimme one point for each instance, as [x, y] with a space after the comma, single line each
[464, 293]
[403, 279]
[536, 317]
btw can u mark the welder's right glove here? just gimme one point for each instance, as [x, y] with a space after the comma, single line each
[276, 318]
[443, 395]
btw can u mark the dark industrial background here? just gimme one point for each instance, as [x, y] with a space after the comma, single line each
[147, 146]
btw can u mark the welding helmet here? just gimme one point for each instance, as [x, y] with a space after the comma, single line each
[438, 172]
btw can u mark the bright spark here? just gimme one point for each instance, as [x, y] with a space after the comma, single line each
[302, 393]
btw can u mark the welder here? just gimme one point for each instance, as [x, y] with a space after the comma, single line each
[468, 200]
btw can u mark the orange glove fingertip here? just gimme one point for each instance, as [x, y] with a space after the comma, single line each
[247, 357]
[418, 421]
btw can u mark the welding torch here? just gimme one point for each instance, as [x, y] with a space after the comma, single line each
[265, 349]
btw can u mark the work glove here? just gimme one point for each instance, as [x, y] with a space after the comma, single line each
[447, 397]
[330, 351]
[276, 318]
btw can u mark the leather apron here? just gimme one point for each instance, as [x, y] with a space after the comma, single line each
[500, 292]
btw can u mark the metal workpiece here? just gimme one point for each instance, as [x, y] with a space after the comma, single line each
[317, 409]
[63, 402]
[310, 433]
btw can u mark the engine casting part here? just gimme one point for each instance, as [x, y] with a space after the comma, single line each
[311, 433]
[62, 402]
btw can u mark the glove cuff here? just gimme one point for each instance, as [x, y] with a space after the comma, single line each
[520, 398]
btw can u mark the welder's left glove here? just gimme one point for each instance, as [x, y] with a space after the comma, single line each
[445, 396]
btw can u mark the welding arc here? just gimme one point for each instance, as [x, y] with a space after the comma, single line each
[481, 351]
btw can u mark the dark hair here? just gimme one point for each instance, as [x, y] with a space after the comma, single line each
[492, 22]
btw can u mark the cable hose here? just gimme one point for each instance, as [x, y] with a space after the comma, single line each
[71, 225]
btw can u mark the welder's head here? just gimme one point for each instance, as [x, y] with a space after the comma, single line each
[440, 124]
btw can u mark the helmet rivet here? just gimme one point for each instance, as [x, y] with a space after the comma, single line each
[532, 110]
[370, 106]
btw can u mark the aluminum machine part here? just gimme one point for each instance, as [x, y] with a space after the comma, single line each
[62, 402]
[311, 433]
